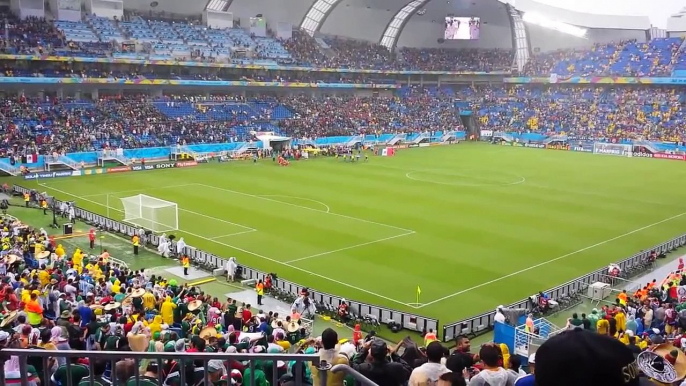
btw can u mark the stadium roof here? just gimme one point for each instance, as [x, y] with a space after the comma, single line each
[631, 14]
[420, 23]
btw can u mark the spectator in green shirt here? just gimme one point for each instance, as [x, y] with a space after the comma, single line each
[593, 318]
[149, 378]
[120, 296]
[99, 370]
[575, 321]
[260, 376]
[77, 372]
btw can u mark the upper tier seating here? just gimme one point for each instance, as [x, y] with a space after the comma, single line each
[628, 58]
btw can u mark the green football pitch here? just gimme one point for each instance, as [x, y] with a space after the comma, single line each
[473, 225]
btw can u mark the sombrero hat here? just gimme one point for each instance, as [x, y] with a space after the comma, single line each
[138, 342]
[207, 332]
[275, 323]
[9, 319]
[96, 307]
[661, 369]
[138, 292]
[293, 327]
[43, 255]
[194, 305]
[10, 259]
[112, 306]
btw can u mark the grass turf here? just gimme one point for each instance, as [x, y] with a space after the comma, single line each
[473, 225]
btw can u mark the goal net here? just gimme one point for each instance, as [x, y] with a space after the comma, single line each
[617, 149]
[151, 213]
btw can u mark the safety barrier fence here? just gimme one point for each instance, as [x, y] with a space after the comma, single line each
[102, 364]
[382, 314]
[484, 322]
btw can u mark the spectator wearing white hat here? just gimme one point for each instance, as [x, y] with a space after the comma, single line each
[528, 380]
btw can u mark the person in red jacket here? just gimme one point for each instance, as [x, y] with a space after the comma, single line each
[246, 314]
[357, 335]
[91, 238]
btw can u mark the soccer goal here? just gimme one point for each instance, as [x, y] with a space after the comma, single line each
[151, 213]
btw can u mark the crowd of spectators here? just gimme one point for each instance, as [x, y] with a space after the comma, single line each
[419, 110]
[444, 59]
[645, 327]
[38, 36]
[28, 36]
[132, 121]
[55, 299]
[305, 50]
[621, 113]
[123, 121]
[140, 72]
[658, 57]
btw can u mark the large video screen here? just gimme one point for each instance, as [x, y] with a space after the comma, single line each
[462, 28]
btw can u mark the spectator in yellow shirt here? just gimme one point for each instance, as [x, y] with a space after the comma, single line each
[603, 326]
[620, 318]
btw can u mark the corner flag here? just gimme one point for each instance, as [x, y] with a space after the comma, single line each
[419, 292]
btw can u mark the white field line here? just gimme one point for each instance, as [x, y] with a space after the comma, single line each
[328, 210]
[520, 181]
[234, 234]
[306, 208]
[262, 256]
[551, 260]
[528, 184]
[350, 247]
[247, 228]
[133, 190]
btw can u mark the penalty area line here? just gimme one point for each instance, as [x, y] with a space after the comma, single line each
[234, 234]
[350, 247]
[551, 260]
[127, 191]
[344, 284]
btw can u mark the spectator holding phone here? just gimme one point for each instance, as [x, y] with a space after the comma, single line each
[381, 365]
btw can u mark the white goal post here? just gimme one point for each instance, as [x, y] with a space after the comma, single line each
[151, 213]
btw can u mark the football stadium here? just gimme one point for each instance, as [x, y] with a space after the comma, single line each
[339, 192]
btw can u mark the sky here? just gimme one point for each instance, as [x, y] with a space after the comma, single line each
[658, 11]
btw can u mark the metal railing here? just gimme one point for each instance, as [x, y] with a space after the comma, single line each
[482, 323]
[407, 320]
[41, 358]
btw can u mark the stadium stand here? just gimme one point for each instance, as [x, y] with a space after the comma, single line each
[183, 40]
[437, 59]
[621, 114]
[57, 305]
[142, 122]
[75, 295]
[629, 58]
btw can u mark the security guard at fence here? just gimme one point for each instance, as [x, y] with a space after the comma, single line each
[186, 263]
[27, 198]
[44, 206]
[259, 288]
[136, 241]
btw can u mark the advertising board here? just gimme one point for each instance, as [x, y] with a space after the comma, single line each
[56, 174]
